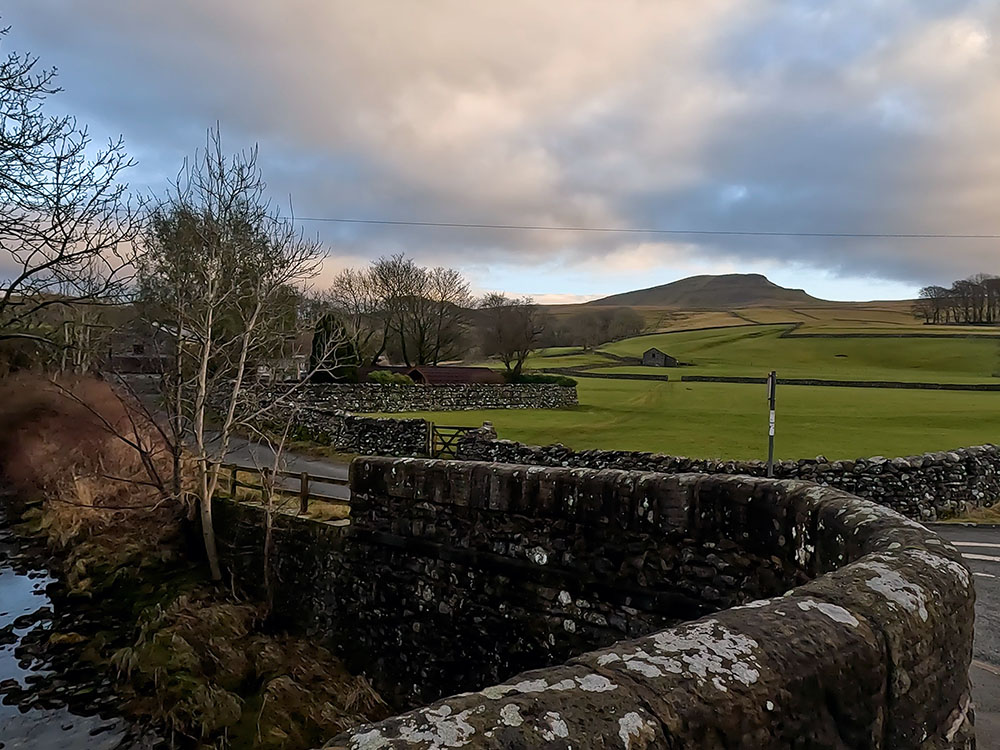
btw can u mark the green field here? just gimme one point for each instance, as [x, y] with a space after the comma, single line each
[755, 350]
[729, 421]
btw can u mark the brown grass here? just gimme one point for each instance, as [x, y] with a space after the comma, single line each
[989, 514]
[73, 443]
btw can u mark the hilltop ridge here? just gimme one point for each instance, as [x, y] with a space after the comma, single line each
[708, 292]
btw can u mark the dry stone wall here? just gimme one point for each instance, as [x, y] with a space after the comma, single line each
[339, 429]
[926, 487]
[375, 398]
[368, 436]
[652, 610]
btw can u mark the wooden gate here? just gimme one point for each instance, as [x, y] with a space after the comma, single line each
[444, 440]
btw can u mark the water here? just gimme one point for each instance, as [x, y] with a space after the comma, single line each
[48, 699]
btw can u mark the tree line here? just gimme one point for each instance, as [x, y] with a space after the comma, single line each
[398, 311]
[971, 301]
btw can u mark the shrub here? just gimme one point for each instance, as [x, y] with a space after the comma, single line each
[385, 377]
[550, 379]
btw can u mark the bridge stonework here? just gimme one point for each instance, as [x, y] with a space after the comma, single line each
[583, 608]
[926, 487]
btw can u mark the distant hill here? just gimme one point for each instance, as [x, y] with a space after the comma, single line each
[724, 292]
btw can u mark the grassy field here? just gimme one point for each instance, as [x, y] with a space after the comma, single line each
[553, 358]
[757, 349]
[729, 421]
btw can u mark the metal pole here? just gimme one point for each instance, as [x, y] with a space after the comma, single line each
[772, 387]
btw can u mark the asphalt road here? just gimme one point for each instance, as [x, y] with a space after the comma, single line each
[980, 545]
[245, 453]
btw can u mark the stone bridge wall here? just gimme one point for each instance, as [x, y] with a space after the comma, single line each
[926, 487]
[455, 576]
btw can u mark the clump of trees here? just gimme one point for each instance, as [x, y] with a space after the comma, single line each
[971, 301]
[408, 313]
[333, 357]
[593, 327]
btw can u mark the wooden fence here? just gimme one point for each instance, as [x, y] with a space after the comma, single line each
[230, 480]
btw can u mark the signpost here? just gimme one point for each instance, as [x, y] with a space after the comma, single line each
[772, 387]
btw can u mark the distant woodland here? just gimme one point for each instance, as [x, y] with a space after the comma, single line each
[971, 301]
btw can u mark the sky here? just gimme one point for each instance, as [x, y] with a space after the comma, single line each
[858, 116]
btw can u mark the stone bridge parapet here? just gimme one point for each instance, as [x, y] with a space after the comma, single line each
[585, 608]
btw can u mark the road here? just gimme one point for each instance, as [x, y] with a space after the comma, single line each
[246, 453]
[980, 545]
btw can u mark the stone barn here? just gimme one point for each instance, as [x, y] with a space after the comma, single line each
[655, 358]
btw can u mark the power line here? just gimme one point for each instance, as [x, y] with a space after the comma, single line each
[651, 230]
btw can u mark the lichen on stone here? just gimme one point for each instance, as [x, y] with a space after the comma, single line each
[705, 650]
[833, 611]
[899, 592]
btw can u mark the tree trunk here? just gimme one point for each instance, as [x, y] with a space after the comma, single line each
[208, 527]
[269, 587]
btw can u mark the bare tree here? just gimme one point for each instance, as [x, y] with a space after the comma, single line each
[355, 296]
[595, 326]
[417, 314]
[66, 228]
[510, 329]
[451, 297]
[219, 265]
[402, 285]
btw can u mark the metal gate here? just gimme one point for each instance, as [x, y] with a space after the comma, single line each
[444, 440]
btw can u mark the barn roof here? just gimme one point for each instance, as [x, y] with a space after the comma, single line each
[454, 375]
[653, 349]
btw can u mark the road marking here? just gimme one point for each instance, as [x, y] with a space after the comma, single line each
[976, 544]
[986, 667]
[984, 575]
[987, 558]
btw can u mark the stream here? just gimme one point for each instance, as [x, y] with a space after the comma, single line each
[49, 698]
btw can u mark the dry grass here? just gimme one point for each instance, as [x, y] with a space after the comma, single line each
[75, 443]
[989, 514]
[316, 450]
[202, 667]
[199, 662]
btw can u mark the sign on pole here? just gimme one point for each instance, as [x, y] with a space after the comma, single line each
[772, 387]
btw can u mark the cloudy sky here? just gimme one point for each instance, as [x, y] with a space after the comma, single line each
[867, 116]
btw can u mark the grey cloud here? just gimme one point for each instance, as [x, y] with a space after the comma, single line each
[721, 114]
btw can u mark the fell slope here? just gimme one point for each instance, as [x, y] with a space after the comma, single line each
[724, 292]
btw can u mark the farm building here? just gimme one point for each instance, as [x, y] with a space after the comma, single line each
[454, 375]
[140, 347]
[655, 358]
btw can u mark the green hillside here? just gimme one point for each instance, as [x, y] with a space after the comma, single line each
[754, 350]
